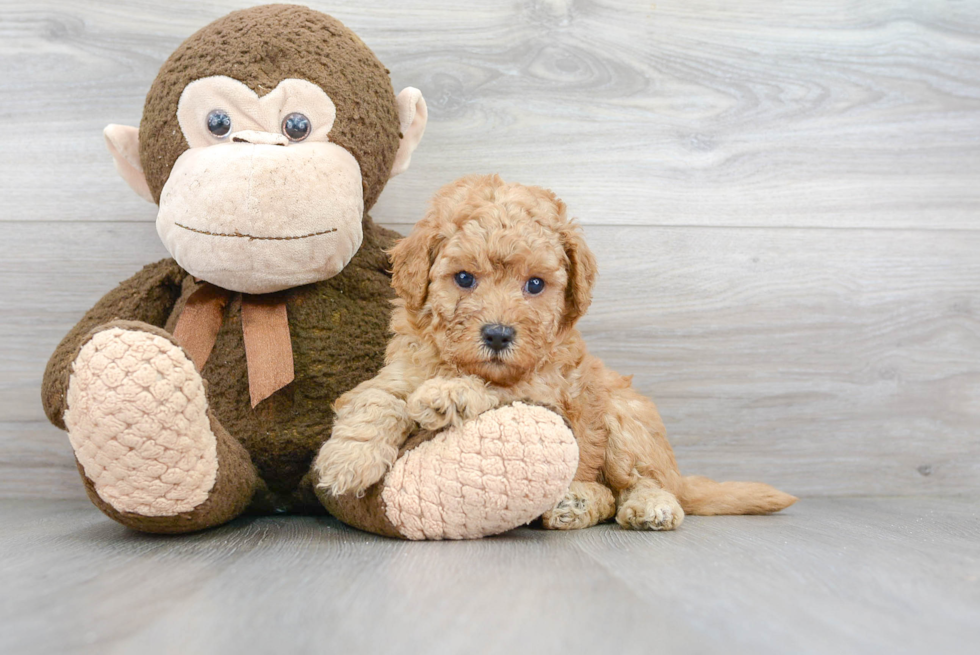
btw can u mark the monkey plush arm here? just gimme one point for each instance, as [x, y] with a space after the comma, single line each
[149, 296]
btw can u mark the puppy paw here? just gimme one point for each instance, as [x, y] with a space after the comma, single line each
[441, 402]
[649, 510]
[344, 466]
[571, 513]
[585, 505]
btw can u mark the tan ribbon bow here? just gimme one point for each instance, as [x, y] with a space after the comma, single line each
[265, 331]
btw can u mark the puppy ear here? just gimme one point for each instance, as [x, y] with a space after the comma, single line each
[411, 259]
[582, 272]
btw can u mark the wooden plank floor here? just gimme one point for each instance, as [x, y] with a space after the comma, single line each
[782, 198]
[837, 576]
[783, 201]
[847, 388]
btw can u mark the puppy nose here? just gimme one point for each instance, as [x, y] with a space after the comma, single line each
[497, 337]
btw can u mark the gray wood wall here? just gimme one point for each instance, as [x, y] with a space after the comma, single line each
[783, 198]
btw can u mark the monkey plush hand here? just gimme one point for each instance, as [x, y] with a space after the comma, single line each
[202, 386]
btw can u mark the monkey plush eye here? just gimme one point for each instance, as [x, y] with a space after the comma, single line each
[464, 280]
[219, 123]
[296, 127]
[534, 286]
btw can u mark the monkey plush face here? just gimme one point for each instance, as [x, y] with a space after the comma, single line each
[265, 138]
[262, 200]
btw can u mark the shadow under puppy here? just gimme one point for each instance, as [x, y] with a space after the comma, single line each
[491, 283]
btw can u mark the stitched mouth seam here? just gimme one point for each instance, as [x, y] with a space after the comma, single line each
[249, 236]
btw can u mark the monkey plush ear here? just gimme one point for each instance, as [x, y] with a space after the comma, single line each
[412, 116]
[123, 142]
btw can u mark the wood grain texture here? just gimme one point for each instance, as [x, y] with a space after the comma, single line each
[677, 113]
[783, 199]
[817, 360]
[833, 576]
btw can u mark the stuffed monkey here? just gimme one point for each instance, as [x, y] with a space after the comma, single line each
[201, 387]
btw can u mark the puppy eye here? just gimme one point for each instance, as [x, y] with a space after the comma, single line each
[534, 286]
[296, 126]
[219, 123]
[464, 280]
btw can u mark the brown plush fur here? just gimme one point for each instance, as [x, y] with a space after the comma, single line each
[309, 45]
[439, 371]
[338, 327]
[147, 296]
[234, 487]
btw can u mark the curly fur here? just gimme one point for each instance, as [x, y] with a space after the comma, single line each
[440, 372]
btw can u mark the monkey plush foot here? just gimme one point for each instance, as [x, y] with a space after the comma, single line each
[137, 420]
[491, 474]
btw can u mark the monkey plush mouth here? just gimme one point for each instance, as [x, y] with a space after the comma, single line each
[253, 237]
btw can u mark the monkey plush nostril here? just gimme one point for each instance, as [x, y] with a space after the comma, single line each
[497, 337]
[258, 138]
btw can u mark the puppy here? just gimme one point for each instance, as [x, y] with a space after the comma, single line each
[490, 285]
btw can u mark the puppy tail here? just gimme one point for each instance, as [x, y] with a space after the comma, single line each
[704, 497]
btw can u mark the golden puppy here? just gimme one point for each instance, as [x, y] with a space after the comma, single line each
[490, 284]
